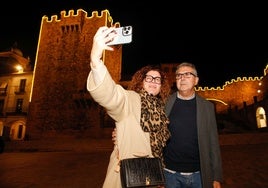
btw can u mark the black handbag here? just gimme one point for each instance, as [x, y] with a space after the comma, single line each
[141, 172]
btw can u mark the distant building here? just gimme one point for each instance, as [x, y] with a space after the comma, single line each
[15, 88]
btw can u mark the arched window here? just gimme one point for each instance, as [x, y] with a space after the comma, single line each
[261, 117]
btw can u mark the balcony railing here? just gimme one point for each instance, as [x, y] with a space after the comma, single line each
[13, 111]
[20, 91]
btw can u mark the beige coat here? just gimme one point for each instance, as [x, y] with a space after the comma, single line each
[124, 107]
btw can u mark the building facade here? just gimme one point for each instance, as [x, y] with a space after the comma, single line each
[15, 89]
[59, 98]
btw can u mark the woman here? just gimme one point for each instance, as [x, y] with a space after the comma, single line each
[141, 123]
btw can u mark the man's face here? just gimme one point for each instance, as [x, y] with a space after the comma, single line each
[186, 78]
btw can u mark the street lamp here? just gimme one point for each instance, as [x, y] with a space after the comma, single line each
[19, 68]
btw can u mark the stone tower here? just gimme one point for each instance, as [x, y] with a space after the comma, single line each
[59, 97]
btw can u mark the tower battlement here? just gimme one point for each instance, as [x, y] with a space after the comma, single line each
[62, 66]
[79, 13]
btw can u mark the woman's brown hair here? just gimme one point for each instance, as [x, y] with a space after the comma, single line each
[137, 80]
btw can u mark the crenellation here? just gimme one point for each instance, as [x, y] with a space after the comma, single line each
[95, 14]
[45, 18]
[54, 18]
[63, 13]
[219, 88]
[234, 80]
[265, 71]
[71, 13]
[62, 68]
[102, 13]
[231, 82]
[82, 12]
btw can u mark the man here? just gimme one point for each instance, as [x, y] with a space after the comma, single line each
[192, 155]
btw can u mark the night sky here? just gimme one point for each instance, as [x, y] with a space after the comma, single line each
[224, 40]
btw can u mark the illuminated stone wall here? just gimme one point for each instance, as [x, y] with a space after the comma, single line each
[59, 96]
[234, 94]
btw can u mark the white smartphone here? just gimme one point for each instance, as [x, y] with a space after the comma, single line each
[124, 35]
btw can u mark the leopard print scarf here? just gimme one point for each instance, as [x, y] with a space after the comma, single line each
[154, 121]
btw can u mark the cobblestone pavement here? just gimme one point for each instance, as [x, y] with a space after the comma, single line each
[83, 163]
[245, 166]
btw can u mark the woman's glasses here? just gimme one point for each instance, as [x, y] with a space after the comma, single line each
[149, 78]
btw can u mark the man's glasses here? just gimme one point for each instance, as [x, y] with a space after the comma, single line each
[149, 78]
[185, 75]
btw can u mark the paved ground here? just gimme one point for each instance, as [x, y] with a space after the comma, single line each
[245, 166]
[77, 163]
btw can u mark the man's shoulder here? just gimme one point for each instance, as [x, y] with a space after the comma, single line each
[203, 100]
[172, 96]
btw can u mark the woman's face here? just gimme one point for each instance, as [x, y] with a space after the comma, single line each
[152, 82]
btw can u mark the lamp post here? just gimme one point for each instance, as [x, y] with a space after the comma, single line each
[19, 68]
